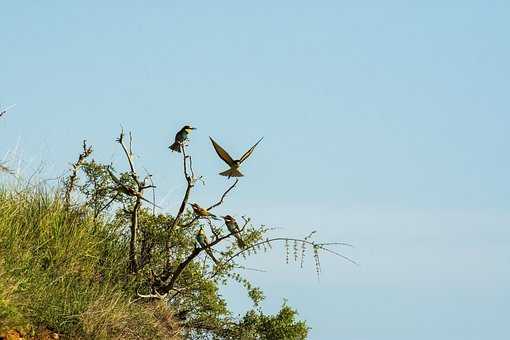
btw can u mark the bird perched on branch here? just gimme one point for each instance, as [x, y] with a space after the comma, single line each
[202, 241]
[233, 227]
[202, 212]
[127, 190]
[234, 164]
[181, 137]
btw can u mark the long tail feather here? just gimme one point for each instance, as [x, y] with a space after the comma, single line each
[214, 217]
[240, 242]
[209, 252]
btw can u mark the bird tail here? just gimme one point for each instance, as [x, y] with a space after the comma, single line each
[214, 217]
[176, 146]
[209, 252]
[232, 172]
[240, 242]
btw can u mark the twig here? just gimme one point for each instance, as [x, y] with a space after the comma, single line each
[4, 111]
[180, 268]
[223, 196]
[152, 296]
[71, 180]
[190, 184]
[318, 245]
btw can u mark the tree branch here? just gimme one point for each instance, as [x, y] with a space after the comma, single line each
[190, 184]
[4, 111]
[314, 244]
[223, 196]
[71, 180]
[180, 268]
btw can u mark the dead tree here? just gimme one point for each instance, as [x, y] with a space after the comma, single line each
[135, 192]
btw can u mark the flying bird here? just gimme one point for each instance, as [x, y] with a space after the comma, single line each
[202, 240]
[233, 227]
[234, 164]
[202, 212]
[181, 137]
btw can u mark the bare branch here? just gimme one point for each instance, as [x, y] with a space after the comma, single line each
[128, 154]
[103, 208]
[4, 111]
[152, 296]
[180, 268]
[136, 193]
[190, 184]
[223, 196]
[196, 218]
[71, 180]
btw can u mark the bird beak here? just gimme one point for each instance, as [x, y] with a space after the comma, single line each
[193, 128]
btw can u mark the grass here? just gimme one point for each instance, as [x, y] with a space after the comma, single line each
[61, 270]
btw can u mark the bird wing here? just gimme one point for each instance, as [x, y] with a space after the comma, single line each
[249, 152]
[222, 153]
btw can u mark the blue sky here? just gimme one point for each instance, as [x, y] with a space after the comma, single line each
[385, 124]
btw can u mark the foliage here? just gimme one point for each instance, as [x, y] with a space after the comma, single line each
[61, 269]
[282, 326]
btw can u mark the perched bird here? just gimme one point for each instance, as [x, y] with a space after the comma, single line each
[202, 240]
[233, 227]
[202, 212]
[127, 190]
[181, 137]
[234, 164]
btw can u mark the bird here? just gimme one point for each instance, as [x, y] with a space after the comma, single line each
[234, 164]
[127, 190]
[181, 137]
[202, 212]
[233, 227]
[202, 241]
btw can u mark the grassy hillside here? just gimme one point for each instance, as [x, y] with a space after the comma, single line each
[94, 259]
[61, 270]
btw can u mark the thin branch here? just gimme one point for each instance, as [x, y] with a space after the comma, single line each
[71, 180]
[103, 208]
[120, 140]
[318, 245]
[180, 268]
[153, 195]
[223, 196]
[152, 296]
[189, 186]
[4, 111]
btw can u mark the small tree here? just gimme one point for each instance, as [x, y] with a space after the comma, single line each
[165, 262]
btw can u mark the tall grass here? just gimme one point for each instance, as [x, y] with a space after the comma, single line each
[63, 270]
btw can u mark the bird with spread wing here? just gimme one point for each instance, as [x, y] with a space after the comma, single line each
[234, 164]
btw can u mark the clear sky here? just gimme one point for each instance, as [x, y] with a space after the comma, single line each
[385, 122]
